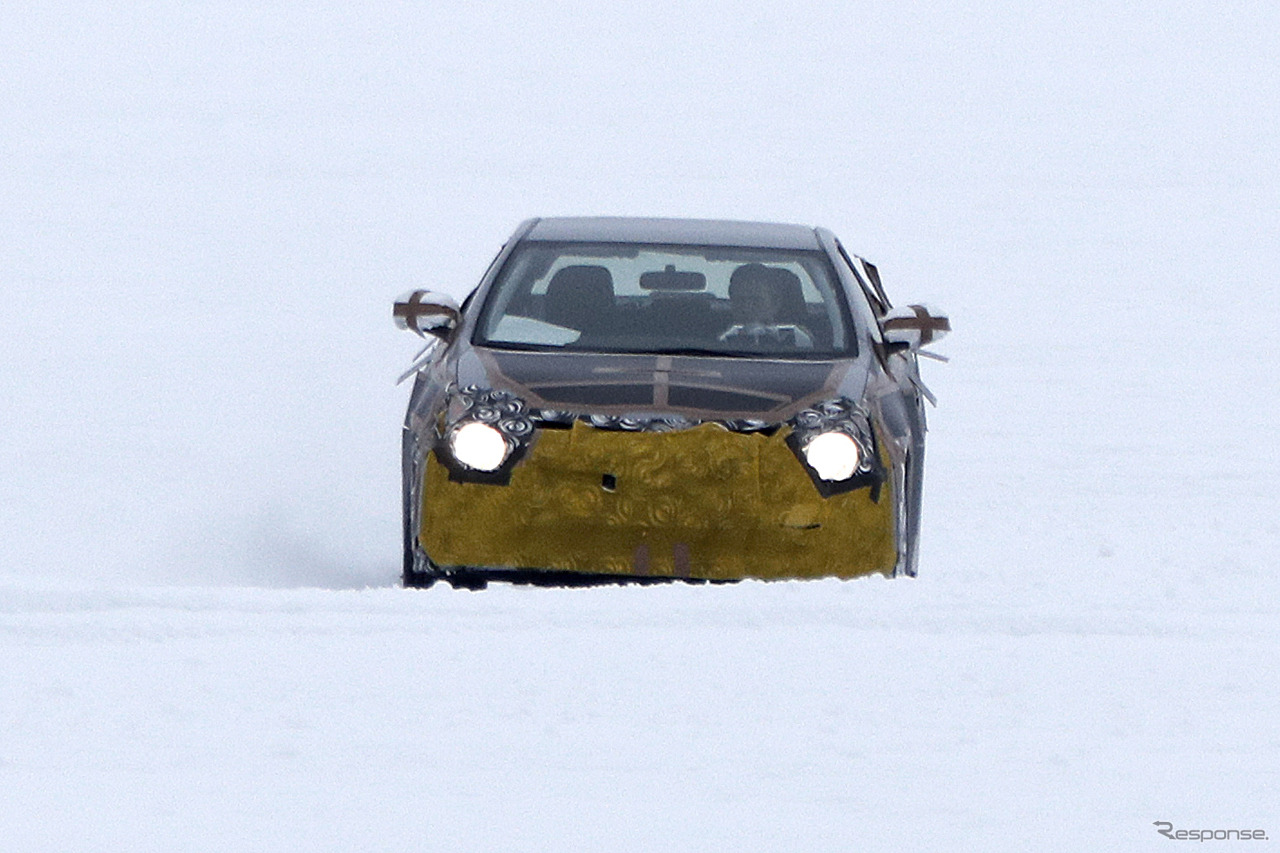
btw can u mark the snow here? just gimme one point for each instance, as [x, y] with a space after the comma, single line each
[205, 212]
[830, 715]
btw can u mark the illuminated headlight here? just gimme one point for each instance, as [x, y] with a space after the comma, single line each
[478, 446]
[833, 455]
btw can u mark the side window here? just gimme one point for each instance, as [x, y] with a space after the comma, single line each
[874, 275]
[466, 303]
[869, 280]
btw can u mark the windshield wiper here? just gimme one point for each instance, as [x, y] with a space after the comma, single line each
[702, 351]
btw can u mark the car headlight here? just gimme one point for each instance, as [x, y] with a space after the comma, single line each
[833, 455]
[835, 441]
[478, 446]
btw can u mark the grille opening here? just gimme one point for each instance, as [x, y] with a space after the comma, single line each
[719, 400]
[599, 395]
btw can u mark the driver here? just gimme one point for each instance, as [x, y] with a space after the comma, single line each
[755, 304]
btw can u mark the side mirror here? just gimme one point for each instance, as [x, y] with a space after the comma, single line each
[426, 312]
[914, 326]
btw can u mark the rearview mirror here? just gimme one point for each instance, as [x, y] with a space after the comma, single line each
[914, 326]
[426, 312]
[672, 279]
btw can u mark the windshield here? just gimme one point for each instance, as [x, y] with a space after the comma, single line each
[611, 297]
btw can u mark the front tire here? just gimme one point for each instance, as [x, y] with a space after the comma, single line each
[913, 492]
[419, 572]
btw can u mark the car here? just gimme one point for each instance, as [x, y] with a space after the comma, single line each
[639, 400]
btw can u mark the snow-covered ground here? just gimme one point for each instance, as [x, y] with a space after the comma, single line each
[205, 210]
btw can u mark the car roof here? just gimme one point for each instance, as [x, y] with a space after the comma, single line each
[709, 232]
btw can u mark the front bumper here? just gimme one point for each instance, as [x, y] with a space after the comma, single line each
[702, 503]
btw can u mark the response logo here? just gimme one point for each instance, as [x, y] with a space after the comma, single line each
[1166, 829]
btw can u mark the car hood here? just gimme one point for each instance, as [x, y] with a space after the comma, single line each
[701, 387]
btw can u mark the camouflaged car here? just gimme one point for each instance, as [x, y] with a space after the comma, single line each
[654, 399]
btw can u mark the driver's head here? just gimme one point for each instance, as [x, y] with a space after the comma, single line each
[751, 295]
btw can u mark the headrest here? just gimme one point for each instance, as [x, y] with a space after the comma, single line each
[582, 277]
[580, 297]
